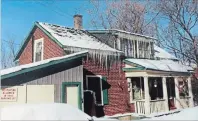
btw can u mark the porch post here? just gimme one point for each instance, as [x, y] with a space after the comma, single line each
[130, 89]
[191, 103]
[147, 96]
[177, 98]
[165, 94]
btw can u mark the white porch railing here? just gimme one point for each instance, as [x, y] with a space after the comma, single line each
[184, 102]
[140, 107]
[155, 106]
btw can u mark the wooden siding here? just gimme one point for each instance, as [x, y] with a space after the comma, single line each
[71, 75]
[53, 75]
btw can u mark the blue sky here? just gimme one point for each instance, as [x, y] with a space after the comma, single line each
[18, 16]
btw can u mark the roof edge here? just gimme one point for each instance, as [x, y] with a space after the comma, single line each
[122, 31]
[52, 62]
[26, 40]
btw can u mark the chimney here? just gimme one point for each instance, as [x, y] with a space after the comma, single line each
[78, 21]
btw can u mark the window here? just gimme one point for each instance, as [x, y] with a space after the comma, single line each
[137, 88]
[183, 88]
[155, 88]
[38, 50]
[94, 83]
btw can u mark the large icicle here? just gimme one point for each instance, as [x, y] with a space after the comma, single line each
[101, 57]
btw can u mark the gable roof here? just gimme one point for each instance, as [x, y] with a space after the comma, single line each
[69, 37]
[162, 54]
[6, 73]
[160, 65]
[159, 52]
[115, 31]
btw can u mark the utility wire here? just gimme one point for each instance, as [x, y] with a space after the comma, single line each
[56, 11]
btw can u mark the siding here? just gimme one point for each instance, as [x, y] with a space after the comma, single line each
[71, 75]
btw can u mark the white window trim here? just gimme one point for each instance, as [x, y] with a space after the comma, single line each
[100, 86]
[35, 42]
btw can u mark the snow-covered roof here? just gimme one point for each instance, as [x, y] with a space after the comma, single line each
[121, 31]
[161, 53]
[71, 37]
[21, 67]
[161, 65]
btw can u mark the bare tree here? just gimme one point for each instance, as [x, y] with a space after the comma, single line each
[179, 36]
[132, 16]
[8, 52]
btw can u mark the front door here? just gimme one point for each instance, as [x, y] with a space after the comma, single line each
[171, 92]
[71, 94]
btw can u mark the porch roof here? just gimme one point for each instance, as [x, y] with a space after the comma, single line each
[158, 65]
[10, 72]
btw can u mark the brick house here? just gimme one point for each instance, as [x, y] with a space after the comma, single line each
[116, 62]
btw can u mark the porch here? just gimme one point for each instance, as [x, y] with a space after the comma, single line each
[158, 85]
[152, 94]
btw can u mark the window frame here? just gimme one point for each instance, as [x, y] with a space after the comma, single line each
[35, 43]
[132, 98]
[99, 76]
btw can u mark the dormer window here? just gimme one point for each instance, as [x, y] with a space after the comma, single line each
[38, 50]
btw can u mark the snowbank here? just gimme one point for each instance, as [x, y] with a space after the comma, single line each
[55, 111]
[185, 114]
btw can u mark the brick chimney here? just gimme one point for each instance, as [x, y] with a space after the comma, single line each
[78, 21]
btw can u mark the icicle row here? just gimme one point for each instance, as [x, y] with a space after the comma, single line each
[103, 58]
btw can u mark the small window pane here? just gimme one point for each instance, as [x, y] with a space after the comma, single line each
[38, 51]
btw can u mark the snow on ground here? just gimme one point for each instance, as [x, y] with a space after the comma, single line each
[185, 114]
[54, 111]
[104, 119]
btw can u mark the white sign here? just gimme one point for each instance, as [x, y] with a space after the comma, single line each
[8, 95]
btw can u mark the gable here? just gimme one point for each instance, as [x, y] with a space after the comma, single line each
[51, 47]
[35, 33]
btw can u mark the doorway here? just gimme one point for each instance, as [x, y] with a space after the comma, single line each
[71, 94]
[171, 92]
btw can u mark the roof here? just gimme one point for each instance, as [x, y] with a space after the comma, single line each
[69, 37]
[160, 65]
[161, 53]
[121, 31]
[75, 38]
[5, 73]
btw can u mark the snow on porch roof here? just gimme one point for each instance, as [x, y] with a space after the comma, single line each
[161, 53]
[70, 37]
[5, 73]
[161, 65]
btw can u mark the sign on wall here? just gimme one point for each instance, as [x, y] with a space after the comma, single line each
[8, 95]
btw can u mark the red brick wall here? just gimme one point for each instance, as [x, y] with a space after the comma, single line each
[118, 92]
[51, 49]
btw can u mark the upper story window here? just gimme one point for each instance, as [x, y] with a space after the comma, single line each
[38, 50]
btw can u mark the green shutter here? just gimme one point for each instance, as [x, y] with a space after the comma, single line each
[105, 93]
